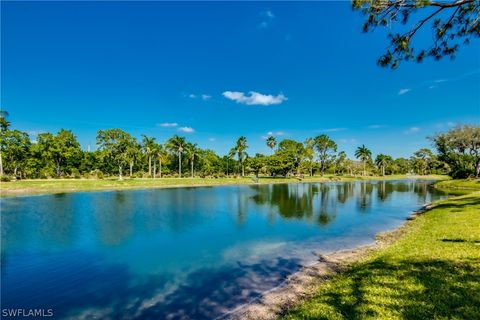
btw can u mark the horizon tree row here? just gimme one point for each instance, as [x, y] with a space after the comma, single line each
[60, 155]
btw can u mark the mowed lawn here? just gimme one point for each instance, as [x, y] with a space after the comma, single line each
[432, 272]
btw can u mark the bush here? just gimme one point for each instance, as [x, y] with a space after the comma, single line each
[5, 179]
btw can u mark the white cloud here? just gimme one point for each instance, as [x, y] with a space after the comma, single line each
[352, 140]
[331, 129]
[167, 124]
[212, 139]
[403, 91]
[268, 17]
[412, 130]
[186, 129]
[192, 96]
[269, 14]
[451, 124]
[377, 126]
[272, 133]
[206, 97]
[254, 98]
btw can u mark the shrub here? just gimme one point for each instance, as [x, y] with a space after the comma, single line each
[5, 179]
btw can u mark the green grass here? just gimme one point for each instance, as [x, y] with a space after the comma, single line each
[432, 272]
[25, 187]
[467, 184]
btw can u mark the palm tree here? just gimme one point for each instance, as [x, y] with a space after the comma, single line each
[239, 150]
[148, 147]
[177, 145]
[271, 142]
[382, 161]
[161, 157]
[364, 154]
[192, 152]
[230, 156]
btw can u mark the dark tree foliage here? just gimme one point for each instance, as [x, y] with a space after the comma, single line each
[453, 22]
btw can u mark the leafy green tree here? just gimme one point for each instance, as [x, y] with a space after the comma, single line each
[326, 148]
[365, 155]
[422, 160]
[341, 164]
[148, 146]
[271, 142]
[257, 163]
[114, 144]
[62, 148]
[176, 145]
[453, 23]
[460, 149]
[309, 147]
[291, 153]
[382, 161]
[241, 153]
[17, 145]
[4, 125]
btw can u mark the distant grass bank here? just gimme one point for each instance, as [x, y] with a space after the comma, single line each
[432, 272]
[45, 186]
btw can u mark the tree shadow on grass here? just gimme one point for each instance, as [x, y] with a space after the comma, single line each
[407, 289]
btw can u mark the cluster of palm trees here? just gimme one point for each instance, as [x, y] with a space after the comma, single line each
[176, 145]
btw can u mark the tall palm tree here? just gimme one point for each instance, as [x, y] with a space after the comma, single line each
[364, 154]
[271, 142]
[382, 161]
[230, 156]
[192, 152]
[177, 145]
[161, 157]
[239, 150]
[148, 147]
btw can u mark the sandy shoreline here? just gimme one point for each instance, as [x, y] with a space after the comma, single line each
[302, 284]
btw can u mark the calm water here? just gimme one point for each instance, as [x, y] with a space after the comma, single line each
[187, 253]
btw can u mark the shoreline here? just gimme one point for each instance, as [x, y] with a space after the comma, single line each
[58, 186]
[301, 285]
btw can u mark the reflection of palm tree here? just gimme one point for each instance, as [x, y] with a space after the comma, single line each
[364, 154]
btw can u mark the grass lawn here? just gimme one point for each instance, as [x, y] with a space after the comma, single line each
[25, 187]
[432, 272]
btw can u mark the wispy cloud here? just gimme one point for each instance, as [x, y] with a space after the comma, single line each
[186, 129]
[403, 91]
[351, 140]
[254, 98]
[331, 130]
[377, 126]
[202, 96]
[212, 139]
[167, 124]
[267, 17]
[412, 130]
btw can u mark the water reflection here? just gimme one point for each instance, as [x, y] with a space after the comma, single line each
[190, 253]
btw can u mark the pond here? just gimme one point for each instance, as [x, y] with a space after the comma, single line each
[185, 253]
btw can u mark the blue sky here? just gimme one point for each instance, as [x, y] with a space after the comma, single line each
[214, 71]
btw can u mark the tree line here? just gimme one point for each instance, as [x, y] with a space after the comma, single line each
[120, 154]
